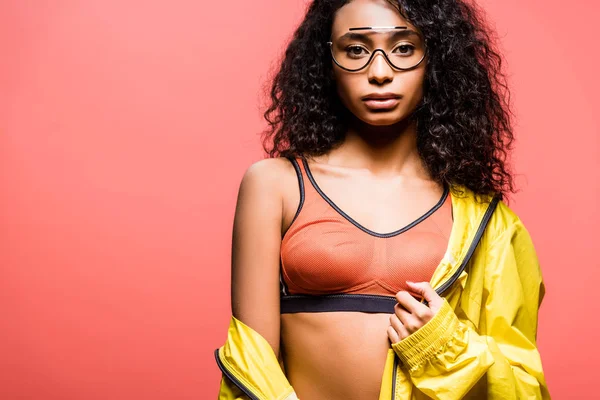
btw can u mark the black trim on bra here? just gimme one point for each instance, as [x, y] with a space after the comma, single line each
[300, 186]
[358, 225]
[282, 285]
[368, 303]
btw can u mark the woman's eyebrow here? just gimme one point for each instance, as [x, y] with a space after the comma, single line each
[365, 36]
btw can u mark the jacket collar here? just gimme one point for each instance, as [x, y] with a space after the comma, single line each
[468, 211]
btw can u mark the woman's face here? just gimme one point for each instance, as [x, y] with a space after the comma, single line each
[378, 77]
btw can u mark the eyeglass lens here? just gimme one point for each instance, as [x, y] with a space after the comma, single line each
[353, 50]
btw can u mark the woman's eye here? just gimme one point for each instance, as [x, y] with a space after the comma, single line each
[406, 49]
[354, 50]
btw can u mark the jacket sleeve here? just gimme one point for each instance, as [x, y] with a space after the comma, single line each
[250, 369]
[229, 391]
[447, 358]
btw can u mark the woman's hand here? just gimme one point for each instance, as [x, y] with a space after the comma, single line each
[409, 314]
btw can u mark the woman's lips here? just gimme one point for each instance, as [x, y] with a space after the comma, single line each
[378, 104]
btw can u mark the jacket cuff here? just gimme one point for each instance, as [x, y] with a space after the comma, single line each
[428, 340]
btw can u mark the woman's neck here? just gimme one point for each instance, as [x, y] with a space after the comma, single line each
[389, 150]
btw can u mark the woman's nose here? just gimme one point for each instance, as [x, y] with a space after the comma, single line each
[379, 68]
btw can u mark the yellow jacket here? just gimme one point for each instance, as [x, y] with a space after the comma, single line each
[481, 343]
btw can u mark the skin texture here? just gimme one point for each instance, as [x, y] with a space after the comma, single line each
[377, 175]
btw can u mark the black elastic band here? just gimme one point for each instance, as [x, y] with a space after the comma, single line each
[338, 302]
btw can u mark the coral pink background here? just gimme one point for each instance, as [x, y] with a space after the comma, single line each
[125, 128]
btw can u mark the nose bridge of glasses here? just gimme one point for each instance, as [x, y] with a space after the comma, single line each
[382, 55]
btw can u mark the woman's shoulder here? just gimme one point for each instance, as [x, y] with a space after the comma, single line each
[504, 218]
[513, 228]
[269, 167]
[270, 177]
[269, 171]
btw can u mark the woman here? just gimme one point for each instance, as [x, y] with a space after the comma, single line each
[373, 256]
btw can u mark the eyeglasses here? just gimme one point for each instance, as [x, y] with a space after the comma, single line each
[354, 51]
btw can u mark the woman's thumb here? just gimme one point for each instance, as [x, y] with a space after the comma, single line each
[424, 290]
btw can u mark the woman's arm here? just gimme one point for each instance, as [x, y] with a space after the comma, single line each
[249, 357]
[256, 250]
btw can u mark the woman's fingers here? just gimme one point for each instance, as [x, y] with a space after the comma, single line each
[409, 313]
[392, 334]
[407, 301]
[398, 327]
[424, 290]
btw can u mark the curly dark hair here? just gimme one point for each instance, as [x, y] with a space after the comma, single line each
[464, 127]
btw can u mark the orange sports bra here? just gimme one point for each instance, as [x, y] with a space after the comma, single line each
[330, 262]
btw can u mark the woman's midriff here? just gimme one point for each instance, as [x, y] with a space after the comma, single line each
[335, 355]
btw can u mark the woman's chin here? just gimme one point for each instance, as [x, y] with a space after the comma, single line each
[382, 119]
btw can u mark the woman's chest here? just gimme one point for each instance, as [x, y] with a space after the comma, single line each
[329, 256]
